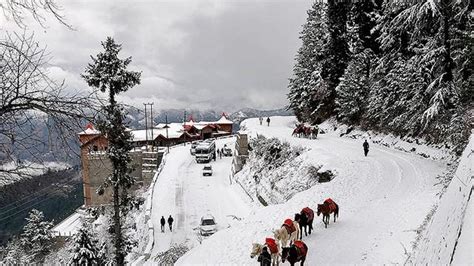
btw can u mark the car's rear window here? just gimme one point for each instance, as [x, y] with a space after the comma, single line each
[207, 168]
[208, 222]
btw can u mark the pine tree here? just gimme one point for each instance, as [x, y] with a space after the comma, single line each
[433, 40]
[37, 237]
[303, 84]
[354, 89]
[108, 72]
[363, 17]
[86, 247]
[337, 57]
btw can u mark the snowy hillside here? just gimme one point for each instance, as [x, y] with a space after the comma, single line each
[27, 170]
[384, 199]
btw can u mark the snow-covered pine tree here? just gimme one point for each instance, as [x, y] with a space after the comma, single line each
[109, 73]
[306, 72]
[364, 16]
[13, 254]
[37, 237]
[337, 55]
[397, 100]
[430, 31]
[353, 90]
[85, 250]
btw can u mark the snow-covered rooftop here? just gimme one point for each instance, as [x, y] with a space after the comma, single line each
[224, 120]
[69, 226]
[90, 131]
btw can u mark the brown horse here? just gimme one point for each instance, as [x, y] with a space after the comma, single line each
[305, 219]
[296, 252]
[298, 131]
[328, 207]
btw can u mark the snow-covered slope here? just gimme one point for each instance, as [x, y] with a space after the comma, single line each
[384, 199]
[27, 170]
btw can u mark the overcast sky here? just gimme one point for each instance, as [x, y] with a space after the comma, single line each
[220, 55]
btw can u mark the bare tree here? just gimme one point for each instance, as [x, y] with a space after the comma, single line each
[31, 102]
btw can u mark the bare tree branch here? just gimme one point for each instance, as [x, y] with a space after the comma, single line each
[37, 114]
[18, 10]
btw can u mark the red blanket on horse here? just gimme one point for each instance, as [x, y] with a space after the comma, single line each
[331, 204]
[300, 248]
[290, 227]
[272, 245]
[309, 213]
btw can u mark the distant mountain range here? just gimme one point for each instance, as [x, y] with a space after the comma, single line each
[136, 117]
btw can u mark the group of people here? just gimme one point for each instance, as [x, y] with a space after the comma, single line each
[261, 120]
[220, 151]
[163, 223]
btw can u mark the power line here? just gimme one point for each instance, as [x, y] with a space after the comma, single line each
[32, 199]
[24, 209]
[31, 195]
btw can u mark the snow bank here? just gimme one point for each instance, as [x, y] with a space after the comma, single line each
[144, 225]
[275, 171]
[438, 241]
[406, 144]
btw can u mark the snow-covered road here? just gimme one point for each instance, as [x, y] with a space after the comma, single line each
[183, 192]
[384, 199]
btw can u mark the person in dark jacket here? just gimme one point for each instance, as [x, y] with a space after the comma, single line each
[170, 223]
[268, 121]
[366, 147]
[265, 258]
[162, 222]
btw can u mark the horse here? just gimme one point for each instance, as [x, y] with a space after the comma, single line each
[296, 252]
[305, 219]
[328, 207]
[289, 231]
[298, 130]
[272, 247]
[307, 132]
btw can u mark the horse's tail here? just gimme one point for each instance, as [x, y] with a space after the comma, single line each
[336, 212]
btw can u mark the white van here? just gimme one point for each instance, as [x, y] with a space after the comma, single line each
[205, 151]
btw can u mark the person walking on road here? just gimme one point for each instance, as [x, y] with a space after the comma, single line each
[366, 147]
[220, 153]
[268, 121]
[162, 222]
[260, 119]
[170, 223]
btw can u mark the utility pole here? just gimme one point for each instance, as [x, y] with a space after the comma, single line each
[152, 126]
[184, 124]
[167, 138]
[146, 123]
[146, 128]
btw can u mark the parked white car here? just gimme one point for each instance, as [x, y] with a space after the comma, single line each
[207, 170]
[208, 225]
